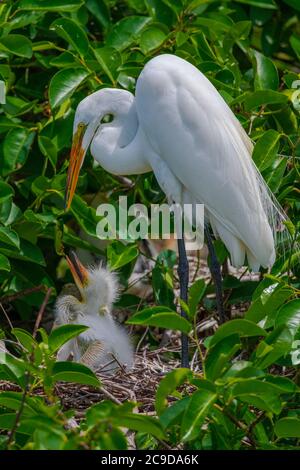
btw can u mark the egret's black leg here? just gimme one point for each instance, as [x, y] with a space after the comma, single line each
[183, 273]
[215, 270]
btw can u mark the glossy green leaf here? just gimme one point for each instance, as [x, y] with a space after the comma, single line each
[74, 372]
[126, 31]
[264, 97]
[25, 339]
[151, 38]
[196, 293]
[9, 236]
[51, 5]
[110, 59]
[16, 146]
[64, 83]
[266, 149]
[64, 333]
[218, 356]
[287, 427]
[168, 385]
[200, 405]
[260, 394]
[289, 316]
[72, 33]
[140, 423]
[161, 317]
[266, 77]
[119, 255]
[16, 44]
[48, 149]
[99, 10]
[4, 263]
[243, 328]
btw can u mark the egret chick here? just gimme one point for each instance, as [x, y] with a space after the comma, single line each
[104, 345]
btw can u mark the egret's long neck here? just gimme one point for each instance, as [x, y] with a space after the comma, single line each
[120, 147]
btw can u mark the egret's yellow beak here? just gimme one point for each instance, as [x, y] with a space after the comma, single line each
[79, 272]
[77, 155]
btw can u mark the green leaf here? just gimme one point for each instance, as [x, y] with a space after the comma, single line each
[268, 303]
[266, 149]
[99, 10]
[268, 4]
[140, 423]
[12, 400]
[289, 316]
[266, 77]
[15, 368]
[6, 192]
[174, 412]
[72, 33]
[27, 252]
[295, 43]
[64, 333]
[110, 59]
[277, 344]
[261, 394]
[168, 385]
[218, 357]
[16, 44]
[51, 5]
[4, 263]
[64, 83]
[119, 255]
[84, 214]
[287, 427]
[16, 146]
[25, 339]
[244, 328]
[48, 149]
[198, 408]
[263, 97]
[293, 3]
[126, 31]
[161, 317]
[196, 293]
[151, 38]
[9, 236]
[74, 372]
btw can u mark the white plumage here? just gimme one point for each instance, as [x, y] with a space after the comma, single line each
[105, 345]
[180, 127]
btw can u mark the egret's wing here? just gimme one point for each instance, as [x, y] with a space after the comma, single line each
[197, 136]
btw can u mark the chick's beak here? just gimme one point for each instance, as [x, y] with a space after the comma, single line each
[76, 158]
[79, 272]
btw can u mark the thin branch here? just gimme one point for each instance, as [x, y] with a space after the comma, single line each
[6, 316]
[10, 298]
[20, 411]
[41, 312]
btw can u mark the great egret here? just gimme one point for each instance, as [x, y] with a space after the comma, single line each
[104, 344]
[180, 127]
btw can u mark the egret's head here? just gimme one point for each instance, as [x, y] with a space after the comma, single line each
[97, 286]
[96, 110]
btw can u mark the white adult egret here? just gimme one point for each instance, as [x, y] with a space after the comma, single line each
[180, 127]
[104, 344]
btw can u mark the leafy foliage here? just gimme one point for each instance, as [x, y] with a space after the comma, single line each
[55, 52]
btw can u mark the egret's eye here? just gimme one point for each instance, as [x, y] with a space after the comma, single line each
[107, 118]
